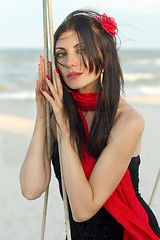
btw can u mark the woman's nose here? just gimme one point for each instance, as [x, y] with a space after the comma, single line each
[72, 60]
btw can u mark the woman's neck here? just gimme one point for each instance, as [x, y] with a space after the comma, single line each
[91, 88]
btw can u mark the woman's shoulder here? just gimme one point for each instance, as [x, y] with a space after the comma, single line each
[128, 118]
[127, 113]
[128, 128]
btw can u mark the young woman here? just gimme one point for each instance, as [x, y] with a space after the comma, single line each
[100, 135]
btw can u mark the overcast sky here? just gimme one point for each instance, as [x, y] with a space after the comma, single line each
[138, 20]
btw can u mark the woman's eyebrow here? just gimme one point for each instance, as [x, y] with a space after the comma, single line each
[60, 48]
[77, 45]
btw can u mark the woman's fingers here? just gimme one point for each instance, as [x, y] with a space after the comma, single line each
[55, 99]
[42, 71]
[57, 109]
[50, 99]
[40, 74]
[53, 91]
[43, 66]
[52, 96]
[37, 90]
[57, 94]
[59, 84]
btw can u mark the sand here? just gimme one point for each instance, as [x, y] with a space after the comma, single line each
[21, 218]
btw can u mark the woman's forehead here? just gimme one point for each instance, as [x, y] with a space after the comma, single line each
[67, 37]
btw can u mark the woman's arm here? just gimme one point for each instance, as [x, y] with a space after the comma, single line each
[35, 171]
[87, 197]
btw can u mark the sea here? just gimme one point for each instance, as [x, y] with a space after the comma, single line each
[19, 72]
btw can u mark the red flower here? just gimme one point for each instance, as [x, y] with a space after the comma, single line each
[108, 24]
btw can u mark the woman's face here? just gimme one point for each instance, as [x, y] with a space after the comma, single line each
[73, 71]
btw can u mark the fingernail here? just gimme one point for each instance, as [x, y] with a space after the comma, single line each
[47, 77]
[57, 70]
[40, 56]
[42, 89]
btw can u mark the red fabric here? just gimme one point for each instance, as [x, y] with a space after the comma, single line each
[123, 204]
[86, 101]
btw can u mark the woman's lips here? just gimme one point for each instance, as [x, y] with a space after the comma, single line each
[73, 75]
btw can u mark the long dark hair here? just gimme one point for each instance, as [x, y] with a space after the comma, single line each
[101, 52]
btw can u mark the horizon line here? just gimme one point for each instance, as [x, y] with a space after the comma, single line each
[41, 48]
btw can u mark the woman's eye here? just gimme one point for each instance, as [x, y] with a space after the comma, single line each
[60, 54]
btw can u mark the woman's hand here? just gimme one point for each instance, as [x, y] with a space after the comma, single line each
[41, 112]
[55, 98]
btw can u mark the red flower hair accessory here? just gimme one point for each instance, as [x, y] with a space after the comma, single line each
[108, 24]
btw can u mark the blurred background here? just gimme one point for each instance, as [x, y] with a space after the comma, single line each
[21, 44]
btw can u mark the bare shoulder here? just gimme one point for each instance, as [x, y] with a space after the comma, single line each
[128, 120]
[130, 116]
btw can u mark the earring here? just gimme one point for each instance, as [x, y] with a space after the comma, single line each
[101, 78]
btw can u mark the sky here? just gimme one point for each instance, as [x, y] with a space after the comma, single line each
[21, 21]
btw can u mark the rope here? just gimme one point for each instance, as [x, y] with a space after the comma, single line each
[66, 211]
[49, 142]
[47, 114]
[154, 189]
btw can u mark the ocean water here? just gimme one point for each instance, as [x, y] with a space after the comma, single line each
[19, 72]
[141, 70]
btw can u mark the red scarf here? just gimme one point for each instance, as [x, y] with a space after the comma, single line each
[123, 204]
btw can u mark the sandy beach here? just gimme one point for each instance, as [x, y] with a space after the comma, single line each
[21, 218]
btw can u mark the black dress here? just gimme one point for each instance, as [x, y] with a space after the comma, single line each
[102, 225]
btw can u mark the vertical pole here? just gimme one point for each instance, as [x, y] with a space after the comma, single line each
[47, 113]
[58, 137]
[154, 189]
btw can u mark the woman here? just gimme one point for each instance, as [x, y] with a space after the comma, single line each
[100, 135]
